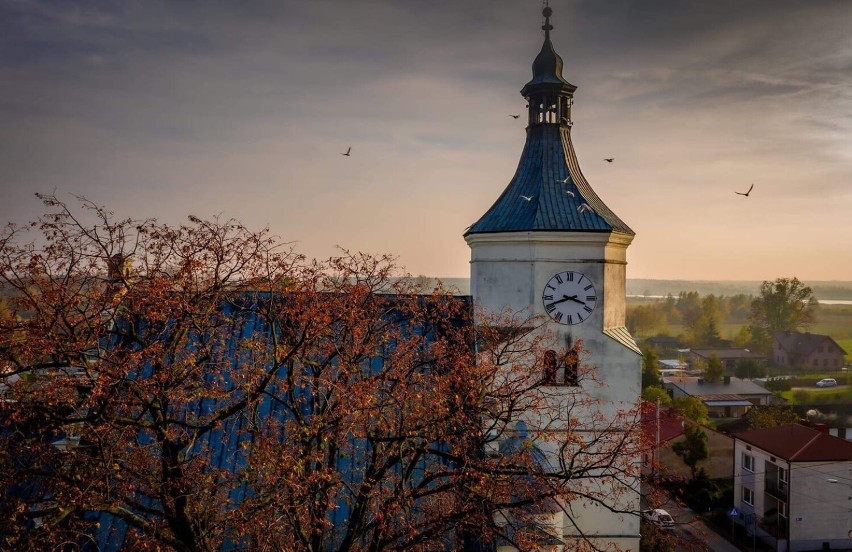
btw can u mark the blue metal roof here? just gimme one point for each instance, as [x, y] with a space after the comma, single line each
[539, 198]
[229, 447]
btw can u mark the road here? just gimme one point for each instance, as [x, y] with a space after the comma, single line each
[695, 535]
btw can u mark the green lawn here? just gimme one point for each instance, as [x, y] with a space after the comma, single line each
[801, 395]
[847, 346]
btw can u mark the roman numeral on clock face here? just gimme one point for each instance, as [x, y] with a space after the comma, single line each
[569, 297]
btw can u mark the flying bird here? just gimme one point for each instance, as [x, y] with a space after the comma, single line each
[585, 207]
[514, 116]
[609, 159]
[746, 193]
[569, 192]
[349, 149]
[564, 180]
[526, 198]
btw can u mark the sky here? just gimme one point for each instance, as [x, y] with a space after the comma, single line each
[242, 109]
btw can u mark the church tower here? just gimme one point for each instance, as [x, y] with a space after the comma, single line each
[550, 246]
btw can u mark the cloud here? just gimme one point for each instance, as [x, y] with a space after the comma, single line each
[170, 108]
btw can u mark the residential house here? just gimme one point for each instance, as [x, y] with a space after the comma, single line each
[792, 485]
[667, 429]
[729, 357]
[729, 398]
[807, 351]
[663, 344]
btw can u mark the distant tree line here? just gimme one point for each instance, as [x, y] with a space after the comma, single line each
[700, 317]
[785, 304]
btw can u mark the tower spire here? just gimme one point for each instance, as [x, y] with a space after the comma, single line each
[548, 93]
[548, 192]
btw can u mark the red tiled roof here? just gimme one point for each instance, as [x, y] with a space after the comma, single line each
[671, 423]
[799, 443]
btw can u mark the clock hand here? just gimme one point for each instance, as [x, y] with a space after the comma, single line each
[574, 298]
[564, 298]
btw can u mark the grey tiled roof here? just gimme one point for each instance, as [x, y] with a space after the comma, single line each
[547, 159]
[736, 386]
[803, 343]
[726, 354]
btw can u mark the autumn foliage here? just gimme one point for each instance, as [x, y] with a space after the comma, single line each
[203, 386]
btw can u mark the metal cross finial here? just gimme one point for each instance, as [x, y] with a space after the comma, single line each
[547, 12]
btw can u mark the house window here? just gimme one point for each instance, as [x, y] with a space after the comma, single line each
[782, 474]
[748, 463]
[748, 496]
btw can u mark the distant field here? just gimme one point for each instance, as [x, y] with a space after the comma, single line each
[838, 290]
[834, 320]
[847, 346]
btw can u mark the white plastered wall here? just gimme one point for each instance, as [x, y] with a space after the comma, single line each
[509, 271]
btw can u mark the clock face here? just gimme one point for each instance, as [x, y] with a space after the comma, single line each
[569, 297]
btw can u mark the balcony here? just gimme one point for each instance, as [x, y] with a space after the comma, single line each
[775, 488]
[774, 524]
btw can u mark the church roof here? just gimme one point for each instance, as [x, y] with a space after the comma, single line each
[539, 198]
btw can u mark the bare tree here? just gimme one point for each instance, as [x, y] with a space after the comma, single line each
[198, 386]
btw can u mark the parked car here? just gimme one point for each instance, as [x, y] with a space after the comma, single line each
[660, 518]
[826, 382]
